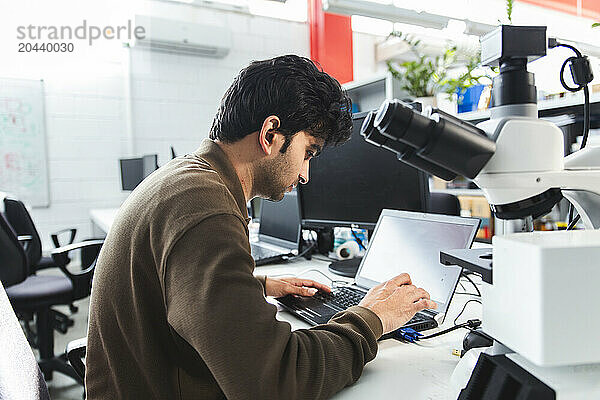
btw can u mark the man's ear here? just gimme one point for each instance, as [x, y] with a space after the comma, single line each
[267, 134]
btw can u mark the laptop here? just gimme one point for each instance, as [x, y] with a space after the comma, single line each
[279, 230]
[403, 241]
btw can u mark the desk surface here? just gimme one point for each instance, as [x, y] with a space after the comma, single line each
[415, 371]
[420, 371]
[103, 217]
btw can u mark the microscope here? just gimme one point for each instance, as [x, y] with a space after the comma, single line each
[541, 302]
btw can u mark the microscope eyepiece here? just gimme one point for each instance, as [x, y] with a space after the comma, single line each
[431, 140]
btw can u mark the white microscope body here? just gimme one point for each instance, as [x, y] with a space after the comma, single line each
[542, 302]
[543, 307]
[529, 160]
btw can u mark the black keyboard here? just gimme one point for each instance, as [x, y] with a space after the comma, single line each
[341, 297]
[345, 297]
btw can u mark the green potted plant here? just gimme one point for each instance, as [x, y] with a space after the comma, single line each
[428, 75]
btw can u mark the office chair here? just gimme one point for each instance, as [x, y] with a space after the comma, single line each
[76, 355]
[443, 203]
[19, 218]
[21, 376]
[36, 294]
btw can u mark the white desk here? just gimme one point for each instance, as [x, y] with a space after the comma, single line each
[412, 371]
[102, 219]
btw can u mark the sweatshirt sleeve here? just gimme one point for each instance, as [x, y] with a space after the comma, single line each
[216, 305]
[263, 281]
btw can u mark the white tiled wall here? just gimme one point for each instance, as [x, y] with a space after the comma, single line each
[176, 96]
[173, 99]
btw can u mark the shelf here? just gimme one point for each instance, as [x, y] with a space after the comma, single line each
[368, 94]
[546, 108]
[459, 192]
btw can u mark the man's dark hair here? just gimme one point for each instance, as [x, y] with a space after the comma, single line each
[292, 88]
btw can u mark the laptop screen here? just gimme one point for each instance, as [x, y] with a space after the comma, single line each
[281, 219]
[411, 242]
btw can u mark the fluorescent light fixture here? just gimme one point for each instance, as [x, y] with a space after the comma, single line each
[237, 3]
[379, 1]
[374, 26]
[227, 5]
[456, 26]
[409, 5]
[291, 10]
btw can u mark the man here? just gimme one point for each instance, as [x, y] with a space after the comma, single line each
[176, 312]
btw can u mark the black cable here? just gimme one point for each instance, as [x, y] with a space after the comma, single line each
[586, 116]
[474, 285]
[562, 78]
[309, 248]
[470, 324]
[463, 309]
[571, 210]
[360, 243]
[582, 75]
[574, 222]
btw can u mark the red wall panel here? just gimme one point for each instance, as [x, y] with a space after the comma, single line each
[589, 8]
[331, 42]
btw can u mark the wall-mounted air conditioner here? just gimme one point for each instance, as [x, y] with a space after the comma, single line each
[183, 37]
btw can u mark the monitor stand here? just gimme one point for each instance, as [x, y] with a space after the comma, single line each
[346, 268]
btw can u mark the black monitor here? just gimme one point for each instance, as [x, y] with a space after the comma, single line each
[281, 220]
[350, 184]
[134, 170]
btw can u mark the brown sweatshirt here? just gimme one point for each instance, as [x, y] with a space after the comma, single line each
[176, 312]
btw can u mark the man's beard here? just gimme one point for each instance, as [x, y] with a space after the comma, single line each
[270, 180]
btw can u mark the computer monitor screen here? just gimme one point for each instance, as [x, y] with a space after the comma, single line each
[350, 184]
[134, 170]
[281, 219]
[149, 164]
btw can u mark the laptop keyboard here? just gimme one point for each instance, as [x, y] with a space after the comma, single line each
[341, 297]
[345, 297]
[258, 253]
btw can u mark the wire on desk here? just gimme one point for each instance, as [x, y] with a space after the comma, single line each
[470, 324]
[463, 309]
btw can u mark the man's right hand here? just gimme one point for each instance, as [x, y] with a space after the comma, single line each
[396, 301]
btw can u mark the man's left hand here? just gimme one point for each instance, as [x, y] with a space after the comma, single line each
[278, 287]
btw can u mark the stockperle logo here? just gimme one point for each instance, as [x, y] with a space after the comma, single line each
[52, 38]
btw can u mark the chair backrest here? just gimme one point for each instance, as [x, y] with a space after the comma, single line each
[444, 203]
[20, 220]
[14, 267]
[20, 376]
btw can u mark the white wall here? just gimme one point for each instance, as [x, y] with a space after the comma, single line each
[173, 98]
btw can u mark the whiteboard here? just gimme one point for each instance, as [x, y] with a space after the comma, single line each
[23, 158]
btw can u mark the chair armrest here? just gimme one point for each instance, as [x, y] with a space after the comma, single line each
[54, 236]
[60, 254]
[75, 354]
[81, 280]
[25, 241]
